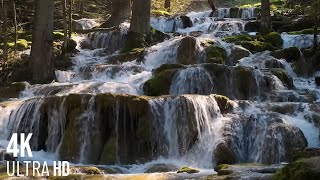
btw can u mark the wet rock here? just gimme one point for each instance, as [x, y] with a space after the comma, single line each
[196, 33]
[283, 76]
[224, 172]
[317, 80]
[238, 53]
[86, 45]
[234, 12]
[186, 53]
[224, 103]
[12, 90]
[188, 170]
[290, 54]
[134, 54]
[224, 154]
[305, 153]
[85, 170]
[252, 26]
[215, 53]
[162, 168]
[301, 169]
[76, 26]
[186, 21]
[274, 39]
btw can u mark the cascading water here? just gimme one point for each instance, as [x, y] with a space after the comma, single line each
[77, 113]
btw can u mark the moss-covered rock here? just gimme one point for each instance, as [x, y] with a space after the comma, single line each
[290, 54]
[188, 170]
[58, 35]
[274, 39]
[215, 54]
[304, 31]
[134, 54]
[255, 46]
[301, 169]
[160, 83]
[224, 103]
[283, 76]
[221, 166]
[242, 37]
[238, 53]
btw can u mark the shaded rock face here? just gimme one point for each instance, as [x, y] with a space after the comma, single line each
[317, 79]
[186, 21]
[233, 82]
[187, 51]
[238, 53]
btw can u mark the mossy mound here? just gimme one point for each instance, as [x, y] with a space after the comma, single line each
[290, 54]
[283, 76]
[161, 81]
[221, 166]
[21, 45]
[186, 53]
[274, 39]
[58, 35]
[188, 170]
[255, 46]
[215, 54]
[242, 37]
[134, 54]
[301, 169]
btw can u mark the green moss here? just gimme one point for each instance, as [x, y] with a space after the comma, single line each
[300, 169]
[283, 76]
[58, 35]
[242, 37]
[216, 54]
[274, 39]
[134, 54]
[167, 67]
[160, 83]
[255, 46]
[223, 103]
[221, 166]
[158, 13]
[304, 31]
[22, 44]
[290, 54]
[188, 170]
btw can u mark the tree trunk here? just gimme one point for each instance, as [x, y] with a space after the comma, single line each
[15, 24]
[211, 3]
[42, 57]
[140, 20]
[265, 17]
[121, 11]
[4, 30]
[315, 34]
[167, 4]
[65, 24]
[70, 18]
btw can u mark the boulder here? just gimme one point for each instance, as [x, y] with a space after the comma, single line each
[215, 54]
[290, 54]
[252, 26]
[255, 46]
[186, 53]
[317, 80]
[274, 39]
[158, 168]
[238, 53]
[308, 168]
[12, 90]
[186, 21]
[234, 12]
[188, 170]
[283, 76]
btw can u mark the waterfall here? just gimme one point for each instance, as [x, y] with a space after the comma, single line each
[180, 128]
[300, 40]
[187, 81]
[223, 12]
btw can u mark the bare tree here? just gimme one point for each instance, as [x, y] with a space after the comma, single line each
[121, 11]
[15, 24]
[4, 29]
[65, 24]
[42, 56]
[167, 4]
[70, 18]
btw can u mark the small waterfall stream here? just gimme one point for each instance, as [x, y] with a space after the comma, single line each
[97, 113]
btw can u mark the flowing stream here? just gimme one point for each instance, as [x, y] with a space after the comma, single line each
[188, 127]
